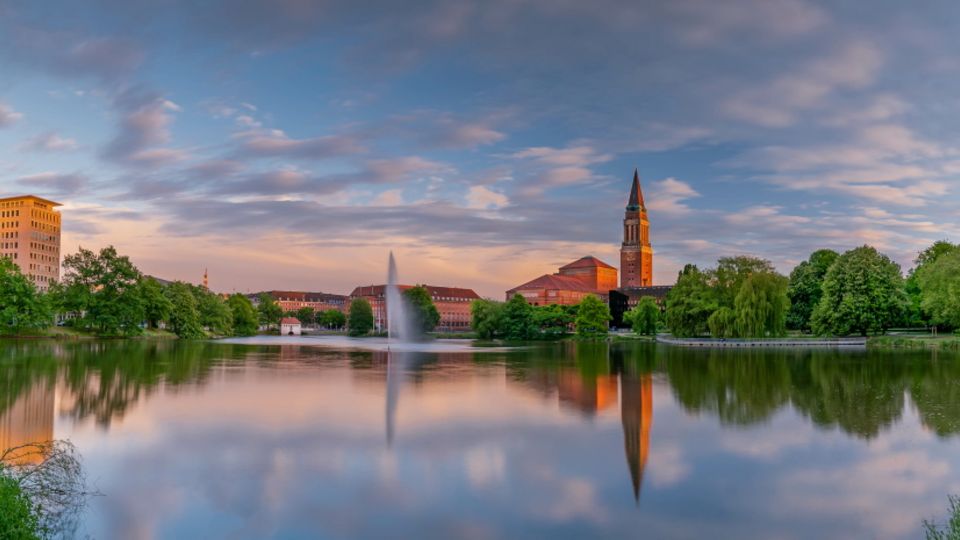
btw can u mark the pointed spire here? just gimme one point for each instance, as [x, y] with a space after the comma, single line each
[636, 194]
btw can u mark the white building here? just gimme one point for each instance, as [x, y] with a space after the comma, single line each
[289, 326]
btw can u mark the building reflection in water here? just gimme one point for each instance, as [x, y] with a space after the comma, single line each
[636, 414]
[29, 419]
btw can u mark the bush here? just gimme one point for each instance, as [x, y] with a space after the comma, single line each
[18, 521]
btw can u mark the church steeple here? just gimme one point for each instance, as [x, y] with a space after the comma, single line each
[636, 194]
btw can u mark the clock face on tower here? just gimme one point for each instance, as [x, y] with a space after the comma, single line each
[630, 256]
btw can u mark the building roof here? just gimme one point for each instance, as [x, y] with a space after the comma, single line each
[636, 194]
[450, 292]
[587, 262]
[555, 282]
[34, 197]
[289, 320]
[305, 296]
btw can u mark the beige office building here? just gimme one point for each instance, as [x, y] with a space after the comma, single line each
[30, 236]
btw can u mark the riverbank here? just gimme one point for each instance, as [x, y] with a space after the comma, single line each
[928, 342]
[65, 332]
[790, 342]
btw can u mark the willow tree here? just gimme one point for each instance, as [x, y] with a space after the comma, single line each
[643, 317]
[761, 305]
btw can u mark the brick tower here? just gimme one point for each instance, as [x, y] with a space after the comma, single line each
[636, 254]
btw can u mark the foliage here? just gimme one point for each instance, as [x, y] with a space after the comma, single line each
[103, 290]
[306, 315]
[862, 293]
[18, 521]
[723, 323]
[21, 306]
[806, 287]
[939, 283]
[156, 305]
[331, 318]
[731, 272]
[593, 317]
[554, 320]
[951, 529]
[486, 318]
[761, 306]
[244, 316]
[423, 314]
[360, 319]
[213, 311]
[643, 317]
[916, 314]
[517, 322]
[690, 303]
[270, 312]
[184, 320]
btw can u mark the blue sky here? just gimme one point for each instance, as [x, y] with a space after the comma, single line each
[291, 143]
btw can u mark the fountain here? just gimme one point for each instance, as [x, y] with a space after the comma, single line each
[398, 320]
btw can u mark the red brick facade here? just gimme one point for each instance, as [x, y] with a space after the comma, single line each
[636, 253]
[573, 282]
[453, 303]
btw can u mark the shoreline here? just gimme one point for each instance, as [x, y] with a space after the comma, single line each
[812, 343]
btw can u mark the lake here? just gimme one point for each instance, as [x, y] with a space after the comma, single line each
[558, 440]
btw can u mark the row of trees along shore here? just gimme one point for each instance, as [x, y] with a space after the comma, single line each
[859, 292]
[516, 320]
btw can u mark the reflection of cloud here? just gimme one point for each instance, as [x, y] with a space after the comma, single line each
[484, 465]
[667, 464]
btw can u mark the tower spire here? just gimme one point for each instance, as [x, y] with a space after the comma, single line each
[636, 194]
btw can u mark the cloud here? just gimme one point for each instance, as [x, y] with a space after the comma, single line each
[711, 22]
[483, 198]
[49, 142]
[276, 143]
[667, 196]
[69, 54]
[144, 125]
[557, 167]
[54, 183]
[8, 116]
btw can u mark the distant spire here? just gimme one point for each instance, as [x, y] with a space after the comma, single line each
[636, 194]
[206, 282]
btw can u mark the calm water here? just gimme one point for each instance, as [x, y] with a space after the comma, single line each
[212, 440]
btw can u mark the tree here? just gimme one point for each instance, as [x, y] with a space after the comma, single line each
[270, 311]
[690, 303]
[331, 318]
[21, 306]
[17, 517]
[916, 315]
[730, 274]
[486, 318]
[306, 315]
[593, 317]
[761, 305]
[244, 316]
[423, 314]
[723, 323]
[806, 287]
[939, 284]
[184, 319]
[862, 293]
[156, 305]
[553, 320]
[214, 313]
[517, 320]
[360, 319]
[104, 288]
[644, 316]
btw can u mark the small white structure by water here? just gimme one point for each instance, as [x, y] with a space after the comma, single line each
[290, 326]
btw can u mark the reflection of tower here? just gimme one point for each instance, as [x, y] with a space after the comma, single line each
[636, 413]
[28, 420]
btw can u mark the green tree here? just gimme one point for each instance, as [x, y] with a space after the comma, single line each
[424, 315]
[306, 315]
[593, 317]
[156, 305]
[553, 320]
[331, 318]
[270, 312]
[243, 315]
[862, 293]
[939, 284]
[731, 272]
[18, 520]
[689, 303]
[915, 314]
[806, 287]
[723, 323]
[21, 306]
[184, 319]
[214, 313]
[486, 318]
[104, 289]
[761, 305]
[644, 316]
[517, 320]
[360, 319]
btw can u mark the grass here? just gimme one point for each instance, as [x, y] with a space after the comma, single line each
[949, 530]
[918, 341]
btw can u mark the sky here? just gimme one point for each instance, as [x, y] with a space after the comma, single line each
[291, 144]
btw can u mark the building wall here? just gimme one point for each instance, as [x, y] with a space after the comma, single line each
[454, 307]
[596, 277]
[546, 297]
[30, 236]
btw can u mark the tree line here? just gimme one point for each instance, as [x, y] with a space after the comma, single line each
[517, 320]
[859, 292]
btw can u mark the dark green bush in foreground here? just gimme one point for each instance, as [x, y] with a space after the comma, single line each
[17, 519]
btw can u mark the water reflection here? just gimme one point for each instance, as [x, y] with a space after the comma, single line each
[526, 439]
